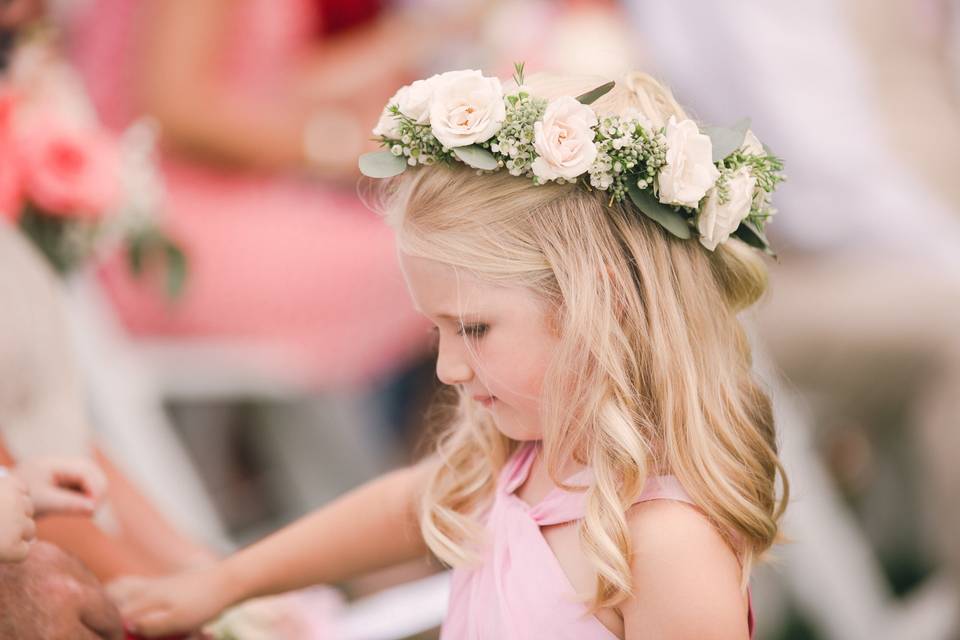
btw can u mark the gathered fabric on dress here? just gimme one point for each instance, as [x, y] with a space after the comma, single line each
[296, 269]
[520, 591]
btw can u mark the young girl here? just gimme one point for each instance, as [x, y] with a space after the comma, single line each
[609, 467]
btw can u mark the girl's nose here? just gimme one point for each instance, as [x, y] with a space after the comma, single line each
[453, 370]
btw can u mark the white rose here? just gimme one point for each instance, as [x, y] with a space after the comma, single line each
[466, 108]
[414, 101]
[752, 146]
[689, 171]
[716, 221]
[563, 139]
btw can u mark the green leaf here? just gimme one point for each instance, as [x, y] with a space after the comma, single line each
[476, 156]
[518, 73]
[726, 141]
[382, 164]
[667, 217]
[753, 236]
[592, 96]
[135, 255]
[176, 264]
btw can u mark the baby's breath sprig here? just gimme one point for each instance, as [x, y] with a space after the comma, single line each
[513, 144]
[626, 150]
[416, 142]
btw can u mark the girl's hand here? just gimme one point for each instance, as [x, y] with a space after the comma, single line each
[179, 603]
[63, 485]
[17, 528]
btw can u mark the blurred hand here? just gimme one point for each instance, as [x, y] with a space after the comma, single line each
[180, 603]
[17, 528]
[51, 595]
[63, 485]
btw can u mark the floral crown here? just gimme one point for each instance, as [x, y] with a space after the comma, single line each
[712, 183]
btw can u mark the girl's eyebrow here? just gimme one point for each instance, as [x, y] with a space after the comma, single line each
[448, 316]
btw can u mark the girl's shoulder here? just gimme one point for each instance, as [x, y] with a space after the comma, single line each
[686, 576]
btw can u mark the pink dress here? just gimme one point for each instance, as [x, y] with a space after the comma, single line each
[520, 590]
[297, 270]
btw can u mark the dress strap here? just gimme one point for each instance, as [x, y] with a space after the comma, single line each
[561, 506]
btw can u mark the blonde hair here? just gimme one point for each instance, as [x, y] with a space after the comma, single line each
[648, 322]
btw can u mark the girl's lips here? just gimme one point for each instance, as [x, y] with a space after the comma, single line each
[485, 400]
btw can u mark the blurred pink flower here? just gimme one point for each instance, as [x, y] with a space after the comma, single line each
[66, 171]
[9, 184]
[9, 165]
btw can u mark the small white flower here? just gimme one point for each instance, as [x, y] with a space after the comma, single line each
[716, 221]
[751, 145]
[466, 107]
[563, 140]
[689, 171]
[633, 115]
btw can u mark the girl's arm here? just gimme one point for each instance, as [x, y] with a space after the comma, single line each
[686, 577]
[372, 527]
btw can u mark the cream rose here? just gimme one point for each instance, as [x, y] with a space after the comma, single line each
[563, 139]
[413, 101]
[689, 171]
[465, 108]
[716, 221]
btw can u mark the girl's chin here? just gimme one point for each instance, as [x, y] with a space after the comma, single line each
[515, 431]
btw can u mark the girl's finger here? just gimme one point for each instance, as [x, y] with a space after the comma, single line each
[67, 502]
[29, 531]
[154, 623]
[124, 589]
[81, 475]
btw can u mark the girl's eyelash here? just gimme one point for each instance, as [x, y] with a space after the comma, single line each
[473, 330]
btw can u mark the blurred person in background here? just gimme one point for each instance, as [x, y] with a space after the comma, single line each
[253, 98]
[866, 300]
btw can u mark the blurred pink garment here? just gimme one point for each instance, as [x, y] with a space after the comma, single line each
[296, 269]
[520, 590]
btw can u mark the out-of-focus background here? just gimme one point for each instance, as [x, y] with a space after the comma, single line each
[193, 293]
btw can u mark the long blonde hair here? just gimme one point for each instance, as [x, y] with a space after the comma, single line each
[648, 322]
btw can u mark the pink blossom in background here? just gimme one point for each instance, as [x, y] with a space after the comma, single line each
[67, 171]
[9, 165]
[10, 200]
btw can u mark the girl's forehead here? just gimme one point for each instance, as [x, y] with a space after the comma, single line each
[439, 289]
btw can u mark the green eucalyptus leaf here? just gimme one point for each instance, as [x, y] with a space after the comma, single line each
[593, 95]
[665, 216]
[176, 264]
[727, 140]
[476, 156]
[753, 236]
[135, 255]
[382, 164]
